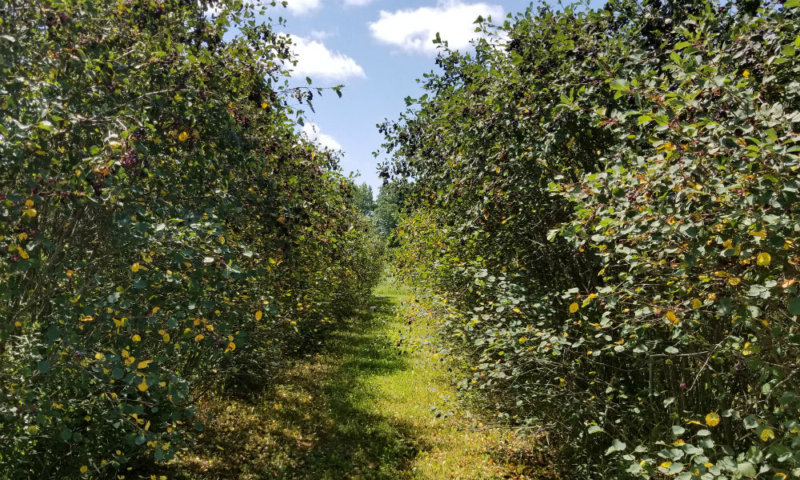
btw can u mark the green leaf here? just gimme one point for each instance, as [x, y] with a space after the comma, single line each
[43, 366]
[747, 469]
[682, 45]
[620, 85]
[65, 434]
[616, 446]
[750, 422]
[794, 306]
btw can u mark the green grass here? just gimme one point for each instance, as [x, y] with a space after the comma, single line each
[363, 408]
[391, 288]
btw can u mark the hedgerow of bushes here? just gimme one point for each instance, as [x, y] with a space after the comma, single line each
[164, 230]
[610, 201]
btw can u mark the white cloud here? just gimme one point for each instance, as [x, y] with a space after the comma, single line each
[314, 134]
[414, 30]
[320, 34]
[296, 7]
[315, 60]
[357, 3]
[299, 7]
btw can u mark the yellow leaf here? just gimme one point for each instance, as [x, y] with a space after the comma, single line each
[666, 464]
[666, 146]
[22, 236]
[199, 337]
[259, 314]
[165, 337]
[672, 318]
[143, 364]
[143, 386]
[763, 259]
[760, 234]
[516, 310]
[712, 419]
[733, 281]
[573, 308]
[156, 309]
[767, 435]
[697, 303]
[746, 73]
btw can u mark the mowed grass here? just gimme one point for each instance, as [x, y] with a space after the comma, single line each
[368, 406]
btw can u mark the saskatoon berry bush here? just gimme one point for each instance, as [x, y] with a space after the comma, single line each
[163, 228]
[609, 203]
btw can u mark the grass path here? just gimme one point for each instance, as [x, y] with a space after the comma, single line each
[365, 407]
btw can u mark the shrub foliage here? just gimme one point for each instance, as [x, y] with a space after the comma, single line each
[164, 230]
[610, 201]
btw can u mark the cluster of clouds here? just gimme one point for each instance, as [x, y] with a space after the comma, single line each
[316, 60]
[313, 133]
[414, 30]
[410, 31]
[300, 7]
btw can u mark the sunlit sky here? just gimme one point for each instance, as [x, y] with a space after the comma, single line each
[377, 49]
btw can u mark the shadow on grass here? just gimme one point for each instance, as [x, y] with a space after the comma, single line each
[316, 422]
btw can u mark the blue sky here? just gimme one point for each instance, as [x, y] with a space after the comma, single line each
[377, 49]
